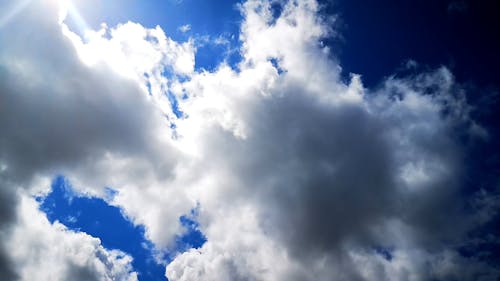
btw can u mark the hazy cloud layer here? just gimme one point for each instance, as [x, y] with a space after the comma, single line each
[297, 174]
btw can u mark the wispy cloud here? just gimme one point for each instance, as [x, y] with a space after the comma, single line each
[457, 6]
[185, 28]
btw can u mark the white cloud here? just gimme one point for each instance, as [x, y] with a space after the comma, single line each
[52, 252]
[185, 28]
[297, 174]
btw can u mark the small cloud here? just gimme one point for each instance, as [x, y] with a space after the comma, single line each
[185, 28]
[71, 219]
[221, 40]
[457, 6]
[411, 64]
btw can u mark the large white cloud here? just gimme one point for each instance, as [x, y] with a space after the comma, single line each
[298, 175]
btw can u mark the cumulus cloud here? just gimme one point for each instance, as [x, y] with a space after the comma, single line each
[312, 174]
[297, 174]
[51, 252]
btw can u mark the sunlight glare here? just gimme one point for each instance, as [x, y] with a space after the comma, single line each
[68, 10]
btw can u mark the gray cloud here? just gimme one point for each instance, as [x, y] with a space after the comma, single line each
[8, 202]
[57, 115]
[7, 270]
[324, 174]
[80, 273]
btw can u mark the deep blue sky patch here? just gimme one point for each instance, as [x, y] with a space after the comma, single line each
[377, 37]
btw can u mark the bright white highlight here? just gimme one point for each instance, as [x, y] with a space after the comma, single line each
[68, 10]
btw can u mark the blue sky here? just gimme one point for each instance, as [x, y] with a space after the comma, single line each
[346, 138]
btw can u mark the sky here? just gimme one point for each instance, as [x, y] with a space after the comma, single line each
[249, 140]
